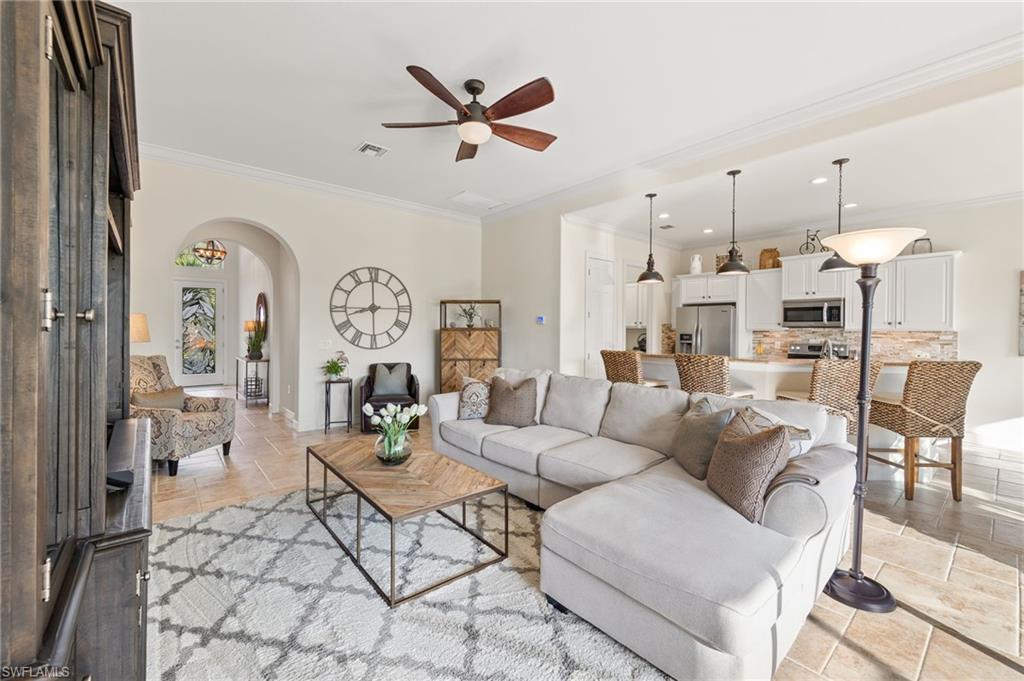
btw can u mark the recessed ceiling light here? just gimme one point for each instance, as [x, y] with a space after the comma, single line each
[849, 205]
[708, 231]
[819, 180]
[663, 216]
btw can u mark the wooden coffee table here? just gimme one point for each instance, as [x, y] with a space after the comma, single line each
[428, 482]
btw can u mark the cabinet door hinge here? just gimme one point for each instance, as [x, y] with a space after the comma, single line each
[48, 40]
[46, 580]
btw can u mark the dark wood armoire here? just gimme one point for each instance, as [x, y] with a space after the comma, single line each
[73, 548]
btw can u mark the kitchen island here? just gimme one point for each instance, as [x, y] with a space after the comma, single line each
[766, 375]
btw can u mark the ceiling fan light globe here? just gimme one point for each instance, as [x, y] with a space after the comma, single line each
[474, 132]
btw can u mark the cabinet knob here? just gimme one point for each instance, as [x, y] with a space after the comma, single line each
[87, 315]
[145, 576]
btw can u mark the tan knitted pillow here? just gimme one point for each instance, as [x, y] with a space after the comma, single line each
[745, 462]
[512, 406]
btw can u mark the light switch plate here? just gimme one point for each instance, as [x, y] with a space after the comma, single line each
[541, 319]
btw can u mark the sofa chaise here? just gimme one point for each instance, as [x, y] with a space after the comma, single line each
[633, 544]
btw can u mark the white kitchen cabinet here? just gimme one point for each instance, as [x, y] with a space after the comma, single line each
[764, 300]
[914, 293]
[636, 305]
[696, 289]
[801, 279]
[924, 292]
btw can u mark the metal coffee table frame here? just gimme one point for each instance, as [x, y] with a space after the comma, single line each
[391, 597]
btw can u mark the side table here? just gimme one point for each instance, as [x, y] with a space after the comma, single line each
[250, 386]
[327, 404]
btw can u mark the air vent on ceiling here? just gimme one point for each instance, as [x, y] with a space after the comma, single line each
[372, 150]
[666, 226]
[471, 200]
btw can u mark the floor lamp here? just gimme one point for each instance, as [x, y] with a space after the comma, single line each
[866, 249]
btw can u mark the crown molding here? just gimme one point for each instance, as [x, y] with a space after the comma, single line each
[867, 220]
[972, 62]
[189, 159]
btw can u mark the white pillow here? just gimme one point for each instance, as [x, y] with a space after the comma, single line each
[474, 399]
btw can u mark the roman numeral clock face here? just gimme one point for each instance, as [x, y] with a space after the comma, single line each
[370, 308]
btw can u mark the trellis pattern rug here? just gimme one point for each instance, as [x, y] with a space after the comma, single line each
[261, 591]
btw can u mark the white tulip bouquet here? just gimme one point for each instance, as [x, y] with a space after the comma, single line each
[392, 423]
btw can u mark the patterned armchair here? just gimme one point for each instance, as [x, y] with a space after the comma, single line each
[204, 422]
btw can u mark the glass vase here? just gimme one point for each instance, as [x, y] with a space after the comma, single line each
[394, 453]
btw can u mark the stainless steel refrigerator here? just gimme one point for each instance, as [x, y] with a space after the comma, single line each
[706, 329]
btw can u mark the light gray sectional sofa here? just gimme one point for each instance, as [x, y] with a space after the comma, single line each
[645, 552]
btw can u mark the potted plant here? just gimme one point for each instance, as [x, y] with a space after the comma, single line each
[335, 366]
[254, 342]
[470, 313]
[392, 447]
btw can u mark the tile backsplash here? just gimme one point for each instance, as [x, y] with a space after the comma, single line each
[891, 345]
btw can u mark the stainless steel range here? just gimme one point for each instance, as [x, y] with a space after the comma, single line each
[826, 349]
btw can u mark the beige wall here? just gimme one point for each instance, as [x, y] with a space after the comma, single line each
[577, 243]
[329, 234]
[991, 238]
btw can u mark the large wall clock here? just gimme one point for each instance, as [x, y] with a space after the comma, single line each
[370, 308]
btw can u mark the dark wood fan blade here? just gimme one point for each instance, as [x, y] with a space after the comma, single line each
[427, 80]
[533, 95]
[466, 152]
[418, 125]
[531, 139]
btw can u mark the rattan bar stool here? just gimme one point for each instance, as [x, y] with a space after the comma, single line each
[624, 366]
[834, 385]
[706, 374]
[934, 404]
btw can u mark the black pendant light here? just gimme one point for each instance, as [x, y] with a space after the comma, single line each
[650, 275]
[835, 262]
[734, 265]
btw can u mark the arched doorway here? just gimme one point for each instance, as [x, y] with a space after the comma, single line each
[258, 261]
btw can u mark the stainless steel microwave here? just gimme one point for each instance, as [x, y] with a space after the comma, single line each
[813, 313]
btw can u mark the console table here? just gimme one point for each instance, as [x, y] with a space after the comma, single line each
[327, 404]
[251, 386]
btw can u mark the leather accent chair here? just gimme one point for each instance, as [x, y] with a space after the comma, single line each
[409, 397]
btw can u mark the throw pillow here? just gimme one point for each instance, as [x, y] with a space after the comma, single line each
[696, 436]
[474, 399]
[745, 463]
[762, 420]
[512, 406]
[172, 398]
[391, 381]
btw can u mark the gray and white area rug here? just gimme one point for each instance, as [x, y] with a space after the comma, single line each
[261, 591]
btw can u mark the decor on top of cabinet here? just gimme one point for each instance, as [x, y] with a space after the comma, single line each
[812, 244]
[469, 313]
[696, 263]
[371, 308]
[769, 259]
[924, 243]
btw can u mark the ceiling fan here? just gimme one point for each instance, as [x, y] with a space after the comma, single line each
[476, 123]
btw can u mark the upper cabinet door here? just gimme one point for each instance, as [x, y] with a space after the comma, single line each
[722, 289]
[695, 290]
[796, 284]
[827, 284]
[883, 317]
[924, 293]
[764, 300]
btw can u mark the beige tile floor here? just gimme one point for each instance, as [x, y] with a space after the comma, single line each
[955, 567]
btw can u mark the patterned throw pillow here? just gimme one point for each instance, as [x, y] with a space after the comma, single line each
[512, 406]
[744, 464]
[474, 399]
[799, 437]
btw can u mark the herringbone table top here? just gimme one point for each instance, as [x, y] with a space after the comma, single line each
[426, 482]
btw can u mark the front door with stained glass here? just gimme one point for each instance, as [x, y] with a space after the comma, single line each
[200, 359]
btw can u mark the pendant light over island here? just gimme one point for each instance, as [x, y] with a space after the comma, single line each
[734, 265]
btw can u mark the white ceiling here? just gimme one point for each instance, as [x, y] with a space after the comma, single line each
[294, 88]
[965, 152]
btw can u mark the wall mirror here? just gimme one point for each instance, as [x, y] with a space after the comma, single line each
[262, 314]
